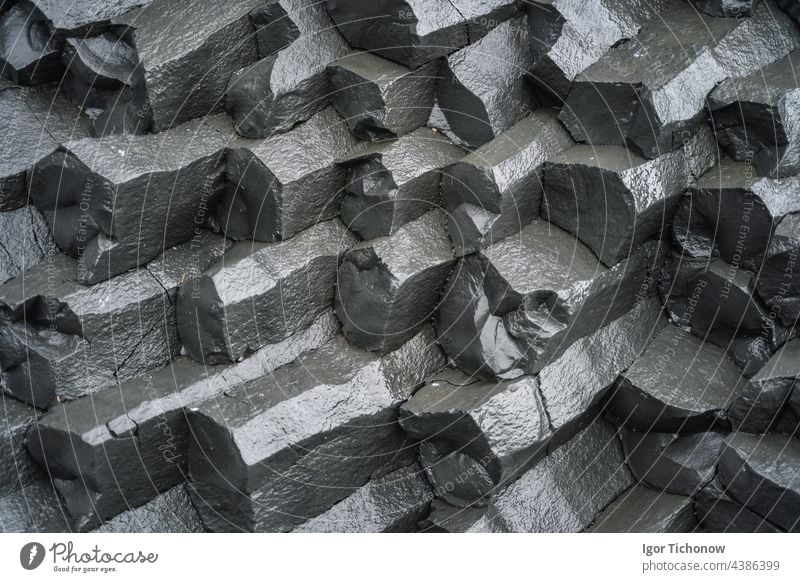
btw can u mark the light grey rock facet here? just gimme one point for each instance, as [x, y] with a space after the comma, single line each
[82, 18]
[170, 512]
[642, 510]
[25, 241]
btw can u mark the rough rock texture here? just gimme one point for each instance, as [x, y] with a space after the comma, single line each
[289, 84]
[612, 199]
[779, 279]
[388, 288]
[116, 202]
[650, 92]
[568, 36]
[391, 183]
[336, 406]
[381, 99]
[25, 241]
[34, 508]
[642, 510]
[679, 384]
[519, 303]
[126, 445]
[286, 183]
[84, 17]
[718, 513]
[16, 468]
[482, 90]
[29, 55]
[392, 503]
[495, 191]
[727, 8]
[170, 512]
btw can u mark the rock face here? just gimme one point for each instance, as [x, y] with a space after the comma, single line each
[680, 384]
[170, 512]
[244, 463]
[381, 99]
[482, 95]
[286, 183]
[518, 304]
[717, 512]
[650, 92]
[495, 191]
[755, 117]
[260, 293]
[391, 183]
[29, 55]
[86, 18]
[778, 281]
[388, 288]
[296, 42]
[16, 468]
[727, 8]
[642, 510]
[25, 241]
[35, 508]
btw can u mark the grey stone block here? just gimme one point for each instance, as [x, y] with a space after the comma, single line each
[288, 182]
[83, 18]
[33, 508]
[727, 8]
[482, 16]
[260, 293]
[679, 384]
[778, 281]
[518, 304]
[790, 7]
[25, 241]
[763, 474]
[16, 467]
[286, 447]
[612, 199]
[718, 513]
[118, 201]
[29, 55]
[388, 288]
[391, 503]
[169, 512]
[445, 518]
[123, 446]
[482, 90]
[650, 92]
[289, 84]
[411, 32]
[642, 510]
[495, 191]
[392, 183]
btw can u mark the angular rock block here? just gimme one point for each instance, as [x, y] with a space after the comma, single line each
[16, 468]
[496, 190]
[391, 183]
[29, 55]
[568, 36]
[727, 8]
[668, 462]
[289, 84]
[718, 513]
[25, 241]
[392, 503]
[82, 19]
[484, 15]
[477, 435]
[482, 90]
[381, 99]
[290, 445]
[286, 183]
[126, 445]
[680, 384]
[518, 304]
[117, 202]
[612, 199]
[758, 409]
[778, 282]
[445, 518]
[755, 117]
[410, 32]
[388, 288]
[260, 293]
[650, 92]
[642, 510]
[762, 472]
[33, 508]
[170, 512]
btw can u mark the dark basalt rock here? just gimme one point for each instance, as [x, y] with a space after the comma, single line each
[612, 199]
[758, 409]
[289, 84]
[727, 8]
[33, 508]
[668, 462]
[411, 32]
[445, 518]
[642, 510]
[244, 457]
[482, 16]
[388, 288]
[288, 182]
[679, 384]
[650, 92]
[717, 512]
[761, 472]
[482, 89]
[477, 435]
[170, 512]
[123, 446]
[83, 18]
[392, 503]
[25, 241]
[779, 279]
[496, 190]
[116, 202]
[567, 38]
[29, 55]
[790, 7]
[392, 183]
[260, 293]
[755, 117]
[16, 468]
[518, 304]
